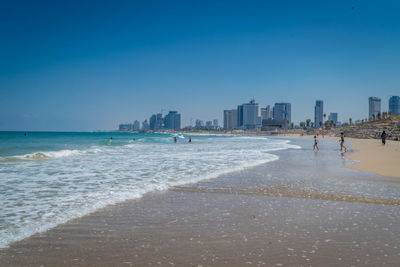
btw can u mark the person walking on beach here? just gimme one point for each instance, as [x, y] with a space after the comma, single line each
[315, 143]
[342, 142]
[383, 137]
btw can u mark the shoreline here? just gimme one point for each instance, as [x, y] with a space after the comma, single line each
[369, 154]
[302, 209]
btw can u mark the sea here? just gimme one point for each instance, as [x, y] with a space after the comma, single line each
[49, 178]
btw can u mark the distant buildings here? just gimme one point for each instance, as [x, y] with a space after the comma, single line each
[199, 124]
[126, 127]
[209, 124]
[266, 113]
[136, 126]
[251, 115]
[230, 119]
[145, 126]
[215, 123]
[319, 113]
[239, 120]
[281, 116]
[333, 116]
[374, 106]
[394, 105]
[172, 121]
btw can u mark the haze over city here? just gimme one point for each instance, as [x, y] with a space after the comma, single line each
[76, 66]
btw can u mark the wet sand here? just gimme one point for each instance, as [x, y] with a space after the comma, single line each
[303, 209]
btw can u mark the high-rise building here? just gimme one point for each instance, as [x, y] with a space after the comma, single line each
[199, 124]
[266, 113]
[215, 123]
[156, 122]
[125, 127]
[145, 126]
[230, 119]
[234, 116]
[394, 105]
[374, 106]
[136, 125]
[282, 112]
[333, 116]
[172, 121]
[251, 115]
[239, 118]
[319, 113]
[209, 124]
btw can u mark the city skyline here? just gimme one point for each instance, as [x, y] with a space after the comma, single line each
[66, 66]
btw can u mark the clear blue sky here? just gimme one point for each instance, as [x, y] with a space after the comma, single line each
[88, 65]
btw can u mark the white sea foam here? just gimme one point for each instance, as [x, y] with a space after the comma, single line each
[39, 194]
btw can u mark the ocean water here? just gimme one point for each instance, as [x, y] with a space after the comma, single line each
[49, 178]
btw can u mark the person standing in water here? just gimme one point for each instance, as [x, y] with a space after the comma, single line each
[175, 140]
[383, 137]
[190, 139]
[342, 142]
[315, 143]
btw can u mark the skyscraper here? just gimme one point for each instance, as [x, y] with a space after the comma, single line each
[156, 122]
[230, 119]
[145, 126]
[394, 105]
[251, 115]
[283, 112]
[172, 121]
[136, 125]
[240, 116]
[374, 106]
[333, 117]
[199, 124]
[215, 123]
[319, 113]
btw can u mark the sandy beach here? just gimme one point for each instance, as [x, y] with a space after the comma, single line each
[370, 155]
[303, 209]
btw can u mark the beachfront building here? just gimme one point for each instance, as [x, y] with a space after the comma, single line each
[209, 124]
[282, 112]
[230, 119]
[128, 127]
[374, 107]
[333, 116]
[136, 125]
[266, 113]
[319, 113]
[239, 116]
[172, 121]
[145, 126]
[156, 122]
[251, 116]
[215, 123]
[394, 105]
[199, 124]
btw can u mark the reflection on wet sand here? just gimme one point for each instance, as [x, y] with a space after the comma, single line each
[287, 191]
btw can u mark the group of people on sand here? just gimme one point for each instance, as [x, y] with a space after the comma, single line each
[341, 141]
[342, 147]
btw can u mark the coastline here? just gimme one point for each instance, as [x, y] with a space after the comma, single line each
[368, 155]
[372, 156]
[303, 209]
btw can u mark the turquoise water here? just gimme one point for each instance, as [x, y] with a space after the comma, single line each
[49, 178]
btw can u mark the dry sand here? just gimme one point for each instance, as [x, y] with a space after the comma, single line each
[374, 157]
